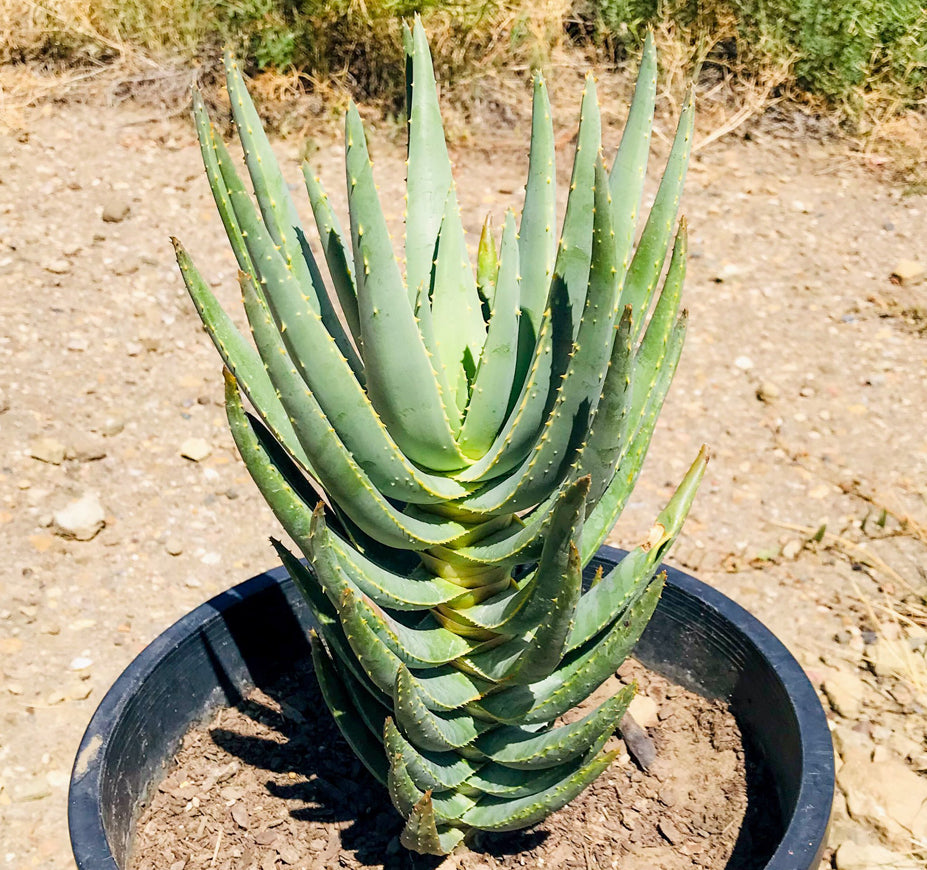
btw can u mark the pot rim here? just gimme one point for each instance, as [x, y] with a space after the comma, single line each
[801, 843]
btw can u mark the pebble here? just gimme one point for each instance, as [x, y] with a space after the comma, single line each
[644, 711]
[670, 831]
[908, 272]
[116, 208]
[173, 547]
[844, 692]
[80, 663]
[57, 267]
[768, 392]
[792, 548]
[81, 519]
[196, 449]
[744, 363]
[48, 450]
[871, 856]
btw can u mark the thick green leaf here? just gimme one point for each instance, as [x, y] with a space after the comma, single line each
[577, 396]
[428, 179]
[242, 360]
[537, 232]
[430, 771]
[500, 814]
[581, 672]
[337, 255]
[602, 604]
[647, 264]
[629, 170]
[421, 833]
[302, 334]
[402, 385]
[460, 332]
[448, 806]
[346, 716]
[487, 268]
[337, 469]
[329, 626]
[602, 517]
[215, 159]
[574, 253]
[426, 729]
[523, 749]
[489, 401]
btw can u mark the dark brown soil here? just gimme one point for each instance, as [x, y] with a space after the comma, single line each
[271, 784]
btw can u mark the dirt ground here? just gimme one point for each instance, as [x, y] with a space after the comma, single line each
[804, 371]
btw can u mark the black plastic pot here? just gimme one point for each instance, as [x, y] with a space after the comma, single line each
[255, 632]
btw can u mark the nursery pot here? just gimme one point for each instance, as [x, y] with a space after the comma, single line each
[254, 633]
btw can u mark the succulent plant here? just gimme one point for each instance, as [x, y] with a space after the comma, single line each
[448, 447]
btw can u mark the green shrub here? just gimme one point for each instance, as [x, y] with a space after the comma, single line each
[835, 49]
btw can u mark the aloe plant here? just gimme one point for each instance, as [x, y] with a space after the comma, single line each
[448, 447]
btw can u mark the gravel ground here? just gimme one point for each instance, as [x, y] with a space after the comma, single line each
[804, 371]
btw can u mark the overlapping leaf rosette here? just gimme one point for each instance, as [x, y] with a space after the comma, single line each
[449, 447]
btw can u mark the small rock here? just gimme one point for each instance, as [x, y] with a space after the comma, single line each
[57, 267]
[173, 546]
[670, 831]
[81, 663]
[116, 208]
[768, 392]
[80, 691]
[908, 272]
[844, 691]
[744, 363]
[81, 519]
[78, 344]
[644, 710]
[792, 548]
[48, 450]
[196, 449]
[57, 778]
[240, 816]
[266, 837]
[111, 427]
[871, 856]
[85, 448]
[288, 854]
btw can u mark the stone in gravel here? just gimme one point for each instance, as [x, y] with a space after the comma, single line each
[57, 266]
[288, 854]
[111, 427]
[744, 363]
[889, 796]
[116, 208]
[240, 816]
[908, 272]
[48, 450]
[196, 449]
[768, 392]
[670, 831]
[844, 692]
[791, 549]
[85, 448]
[644, 710]
[81, 519]
[173, 547]
[80, 663]
[871, 856]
